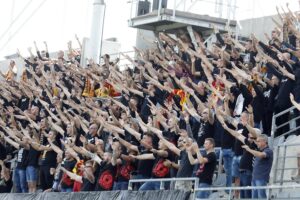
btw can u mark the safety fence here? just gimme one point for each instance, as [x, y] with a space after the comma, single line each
[290, 191]
[107, 195]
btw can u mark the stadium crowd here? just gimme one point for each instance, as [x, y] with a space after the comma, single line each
[67, 128]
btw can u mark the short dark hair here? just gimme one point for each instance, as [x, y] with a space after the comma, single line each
[211, 140]
[150, 135]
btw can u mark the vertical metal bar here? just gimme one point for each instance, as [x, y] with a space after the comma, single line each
[162, 185]
[174, 9]
[220, 162]
[273, 130]
[191, 33]
[230, 193]
[130, 185]
[159, 9]
[276, 164]
[196, 185]
[282, 168]
[131, 9]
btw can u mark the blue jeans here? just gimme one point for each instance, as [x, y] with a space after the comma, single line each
[66, 189]
[236, 166]
[245, 177]
[261, 193]
[203, 194]
[120, 185]
[20, 181]
[31, 174]
[136, 186]
[227, 158]
[150, 186]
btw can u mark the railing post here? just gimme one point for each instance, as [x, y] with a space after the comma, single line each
[196, 185]
[276, 150]
[282, 170]
[162, 185]
[230, 193]
[130, 185]
[273, 130]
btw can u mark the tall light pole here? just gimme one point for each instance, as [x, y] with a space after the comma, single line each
[92, 45]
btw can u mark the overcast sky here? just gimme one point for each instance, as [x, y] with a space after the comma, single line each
[57, 21]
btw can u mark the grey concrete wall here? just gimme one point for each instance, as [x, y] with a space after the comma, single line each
[258, 26]
[141, 43]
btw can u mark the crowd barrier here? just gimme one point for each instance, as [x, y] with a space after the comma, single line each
[107, 195]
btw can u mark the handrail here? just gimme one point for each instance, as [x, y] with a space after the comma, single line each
[162, 180]
[294, 144]
[230, 189]
[275, 127]
[250, 187]
[285, 111]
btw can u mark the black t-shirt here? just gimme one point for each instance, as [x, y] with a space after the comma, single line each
[145, 109]
[124, 170]
[87, 185]
[227, 140]
[49, 157]
[22, 158]
[297, 84]
[238, 150]
[145, 166]
[23, 103]
[5, 186]
[206, 171]
[185, 167]
[247, 158]
[171, 136]
[66, 181]
[159, 170]
[2, 151]
[91, 139]
[206, 130]
[33, 157]
[105, 178]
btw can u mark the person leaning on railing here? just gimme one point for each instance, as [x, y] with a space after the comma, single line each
[262, 165]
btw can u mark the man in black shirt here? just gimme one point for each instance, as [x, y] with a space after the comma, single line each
[185, 168]
[106, 173]
[66, 182]
[207, 163]
[204, 127]
[159, 170]
[246, 161]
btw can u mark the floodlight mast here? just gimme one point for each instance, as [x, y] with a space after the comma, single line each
[92, 47]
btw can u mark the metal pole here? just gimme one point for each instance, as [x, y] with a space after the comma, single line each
[273, 130]
[174, 9]
[96, 34]
[159, 8]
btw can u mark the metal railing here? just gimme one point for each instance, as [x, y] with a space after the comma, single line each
[163, 180]
[206, 7]
[281, 150]
[275, 126]
[268, 188]
[280, 168]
